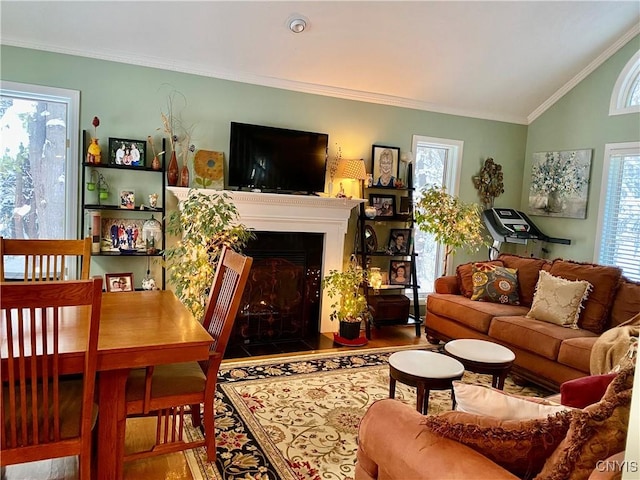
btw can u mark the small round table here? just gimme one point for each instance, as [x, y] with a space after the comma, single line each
[424, 370]
[481, 356]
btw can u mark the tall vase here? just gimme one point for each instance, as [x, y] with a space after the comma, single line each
[172, 170]
[184, 175]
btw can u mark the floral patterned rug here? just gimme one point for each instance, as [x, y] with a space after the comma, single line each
[297, 418]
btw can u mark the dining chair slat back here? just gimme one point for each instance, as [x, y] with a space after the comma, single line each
[165, 390]
[45, 412]
[45, 260]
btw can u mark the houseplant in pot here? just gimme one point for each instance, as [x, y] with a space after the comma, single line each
[204, 224]
[350, 305]
[454, 223]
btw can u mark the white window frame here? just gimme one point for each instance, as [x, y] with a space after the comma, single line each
[610, 150]
[72, 99]
[622, 89]
[452, 172]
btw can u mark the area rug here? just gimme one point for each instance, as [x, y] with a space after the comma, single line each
[297, 417]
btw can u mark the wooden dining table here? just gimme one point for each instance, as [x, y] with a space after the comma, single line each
[137, 329]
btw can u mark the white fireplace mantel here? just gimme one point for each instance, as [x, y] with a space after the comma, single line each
[272, 212]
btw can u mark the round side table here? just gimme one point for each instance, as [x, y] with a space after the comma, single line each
[481, 356]
[424, 370]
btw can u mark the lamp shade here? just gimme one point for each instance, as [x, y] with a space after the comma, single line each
[353, 169]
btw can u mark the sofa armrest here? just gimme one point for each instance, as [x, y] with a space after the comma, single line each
[447, 284]
[393, 444]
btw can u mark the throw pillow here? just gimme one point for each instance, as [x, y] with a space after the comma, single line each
[518, 446]
[595, 433]
[558, 300]
[584, 391]
[481, 400]
[464, 273]
[604, 280]
[495, 284]
[528, 269]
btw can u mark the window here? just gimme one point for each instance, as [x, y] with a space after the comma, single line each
[618, 233]
[626, 92]
[436, 161]
[39, 166]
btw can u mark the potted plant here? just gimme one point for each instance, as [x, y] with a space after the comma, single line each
[205, 223]
[350, 305]
[453, 222]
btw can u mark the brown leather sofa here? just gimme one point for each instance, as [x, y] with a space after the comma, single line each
[546, 354]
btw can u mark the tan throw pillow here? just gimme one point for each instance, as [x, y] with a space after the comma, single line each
[558, 300]
[596, 432]
[481, 400]
[495, 284]
[520, 447]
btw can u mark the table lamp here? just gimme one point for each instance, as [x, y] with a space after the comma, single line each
[354, 170]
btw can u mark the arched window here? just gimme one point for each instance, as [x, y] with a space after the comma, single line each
[626, 92]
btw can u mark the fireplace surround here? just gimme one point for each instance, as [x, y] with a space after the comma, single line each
[271, 212]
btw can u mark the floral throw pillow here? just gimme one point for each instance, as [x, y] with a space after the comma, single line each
[492, 283]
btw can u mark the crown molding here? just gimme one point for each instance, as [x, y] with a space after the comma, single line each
[603, 57]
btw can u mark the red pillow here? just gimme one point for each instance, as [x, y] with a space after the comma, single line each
[585, 391]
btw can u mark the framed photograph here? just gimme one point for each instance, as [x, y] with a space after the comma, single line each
[400, 272]
[385, 205]
[399, 241]
[122, 235]
[128, 199]
[385, 165]
[128, 153]
[405, 205]
[119, 282]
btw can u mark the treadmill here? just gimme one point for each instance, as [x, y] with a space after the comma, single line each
[507, 225]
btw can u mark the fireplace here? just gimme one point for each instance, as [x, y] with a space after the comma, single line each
[271, 212]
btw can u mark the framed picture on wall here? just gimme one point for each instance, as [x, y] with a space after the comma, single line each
[385, 165]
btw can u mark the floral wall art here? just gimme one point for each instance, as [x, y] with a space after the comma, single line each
[560, 183]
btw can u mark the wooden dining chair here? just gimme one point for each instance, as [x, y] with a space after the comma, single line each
[43, 415]
[169, 391]
[46, 259]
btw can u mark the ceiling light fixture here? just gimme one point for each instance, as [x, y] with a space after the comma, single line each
[297, 24]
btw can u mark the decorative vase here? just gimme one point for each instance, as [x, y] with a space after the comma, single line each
[94, 152]
[172, 171]
[349, 330]
[184, 175]
[554, 202]
[155, 163]
[370, 212]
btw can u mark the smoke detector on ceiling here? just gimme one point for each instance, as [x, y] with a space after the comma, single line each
[297, 24]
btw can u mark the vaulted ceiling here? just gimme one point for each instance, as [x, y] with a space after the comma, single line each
[498, 60]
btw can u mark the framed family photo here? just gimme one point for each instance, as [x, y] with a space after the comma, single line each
[128, 199]
[119, 282]
[400, 272]
[384, 204]
[127, 153]
[399, 241]
[385, 162]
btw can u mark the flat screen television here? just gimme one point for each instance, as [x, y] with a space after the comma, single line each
[276, 159]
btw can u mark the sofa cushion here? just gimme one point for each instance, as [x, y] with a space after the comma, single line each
[528, 269]
[520, 446]
[605, 283]
[491, 402]
[576, 352]
[475, 315]
[464, 274]
[596, 432]
[558, 300]
[541, 338]
[492, 283]
[626, 303]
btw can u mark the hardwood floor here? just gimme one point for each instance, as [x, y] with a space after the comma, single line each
[174, 466]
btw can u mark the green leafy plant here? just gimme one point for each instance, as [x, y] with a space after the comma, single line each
[454, 223]
[205, 223]
[350, 304]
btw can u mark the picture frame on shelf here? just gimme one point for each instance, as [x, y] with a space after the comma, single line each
[405, 206]
[128, 199]
[385, 205]
[399, 272]
[119, 282]
[122, 235]
[127, 153]
[399, 241]
[385, 166]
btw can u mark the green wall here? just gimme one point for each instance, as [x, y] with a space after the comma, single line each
[580, 120]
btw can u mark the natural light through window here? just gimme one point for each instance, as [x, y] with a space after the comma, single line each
[626, 92]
